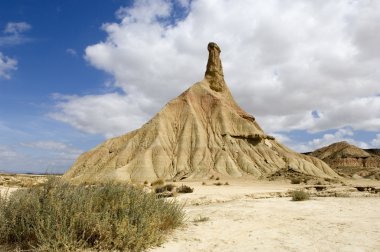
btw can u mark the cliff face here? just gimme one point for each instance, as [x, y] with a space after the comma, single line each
[350, 160]
[201, 132]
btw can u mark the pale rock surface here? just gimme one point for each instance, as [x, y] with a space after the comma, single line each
[200, 133]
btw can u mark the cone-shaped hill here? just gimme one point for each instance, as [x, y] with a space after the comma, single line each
[200, 133]
[349, 160]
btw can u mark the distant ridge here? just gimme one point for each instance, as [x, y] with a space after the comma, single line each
[350, 160]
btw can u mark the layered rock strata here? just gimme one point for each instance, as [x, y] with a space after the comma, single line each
[200, 133]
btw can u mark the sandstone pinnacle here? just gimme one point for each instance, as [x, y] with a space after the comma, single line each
[214, 70]
[200, 133]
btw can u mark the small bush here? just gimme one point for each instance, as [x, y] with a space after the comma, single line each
[217, 178]
[185, 189]
[145, 182]
[227, 183]
[164, 188]
[212, 176]
[295, 181]
[218, 184]
[203, 183]
[157, 182]
[300, 195]
[64, 217]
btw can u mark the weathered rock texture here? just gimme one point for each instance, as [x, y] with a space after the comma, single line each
[201, 132]
[349, 160]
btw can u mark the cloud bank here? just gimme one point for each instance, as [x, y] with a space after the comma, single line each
[40, 156]
[295, 65]
[12, 35]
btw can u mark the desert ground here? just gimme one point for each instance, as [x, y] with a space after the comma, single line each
[260, 216]
[254, 215]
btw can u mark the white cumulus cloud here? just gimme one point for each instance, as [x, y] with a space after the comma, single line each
[14, 34]
[6, 66]
[342, 134]
[17, 27]
[110, 114]
[283, 60]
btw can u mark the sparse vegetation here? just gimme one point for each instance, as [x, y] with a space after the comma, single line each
[64, 217]
[296, 181]
[217, 178]
[203, 183]
[300, 195]
[227, 183]
[218, 184]
[185, 189]
[164, 188]
[201, 218]
[145, 182]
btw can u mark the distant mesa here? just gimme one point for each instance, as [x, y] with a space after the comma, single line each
[350, 161]
[200, 133]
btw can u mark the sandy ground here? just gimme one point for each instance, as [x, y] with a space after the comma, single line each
[241, 218]
[251, 215]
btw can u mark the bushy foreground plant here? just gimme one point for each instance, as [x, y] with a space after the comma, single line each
[64, 217]
[300, 195]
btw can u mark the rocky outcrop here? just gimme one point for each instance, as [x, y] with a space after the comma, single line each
[214, 70]
[200, 133]
[349, 160]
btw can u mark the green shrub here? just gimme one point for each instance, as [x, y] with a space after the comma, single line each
[64, 217]
[185, 189]
[295, 181]
[164, 188]
[300, 195]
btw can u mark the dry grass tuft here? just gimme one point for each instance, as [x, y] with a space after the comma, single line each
[300, 195]
[164, 188]
[185, 189]
[64, 217]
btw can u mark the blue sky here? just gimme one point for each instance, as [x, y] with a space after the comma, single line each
[73, 73]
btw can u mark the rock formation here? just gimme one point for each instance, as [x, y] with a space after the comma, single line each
[200, 133]
[350, 160]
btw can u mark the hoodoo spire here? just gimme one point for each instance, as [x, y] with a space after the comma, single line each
[214, 70]
[200, 133]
